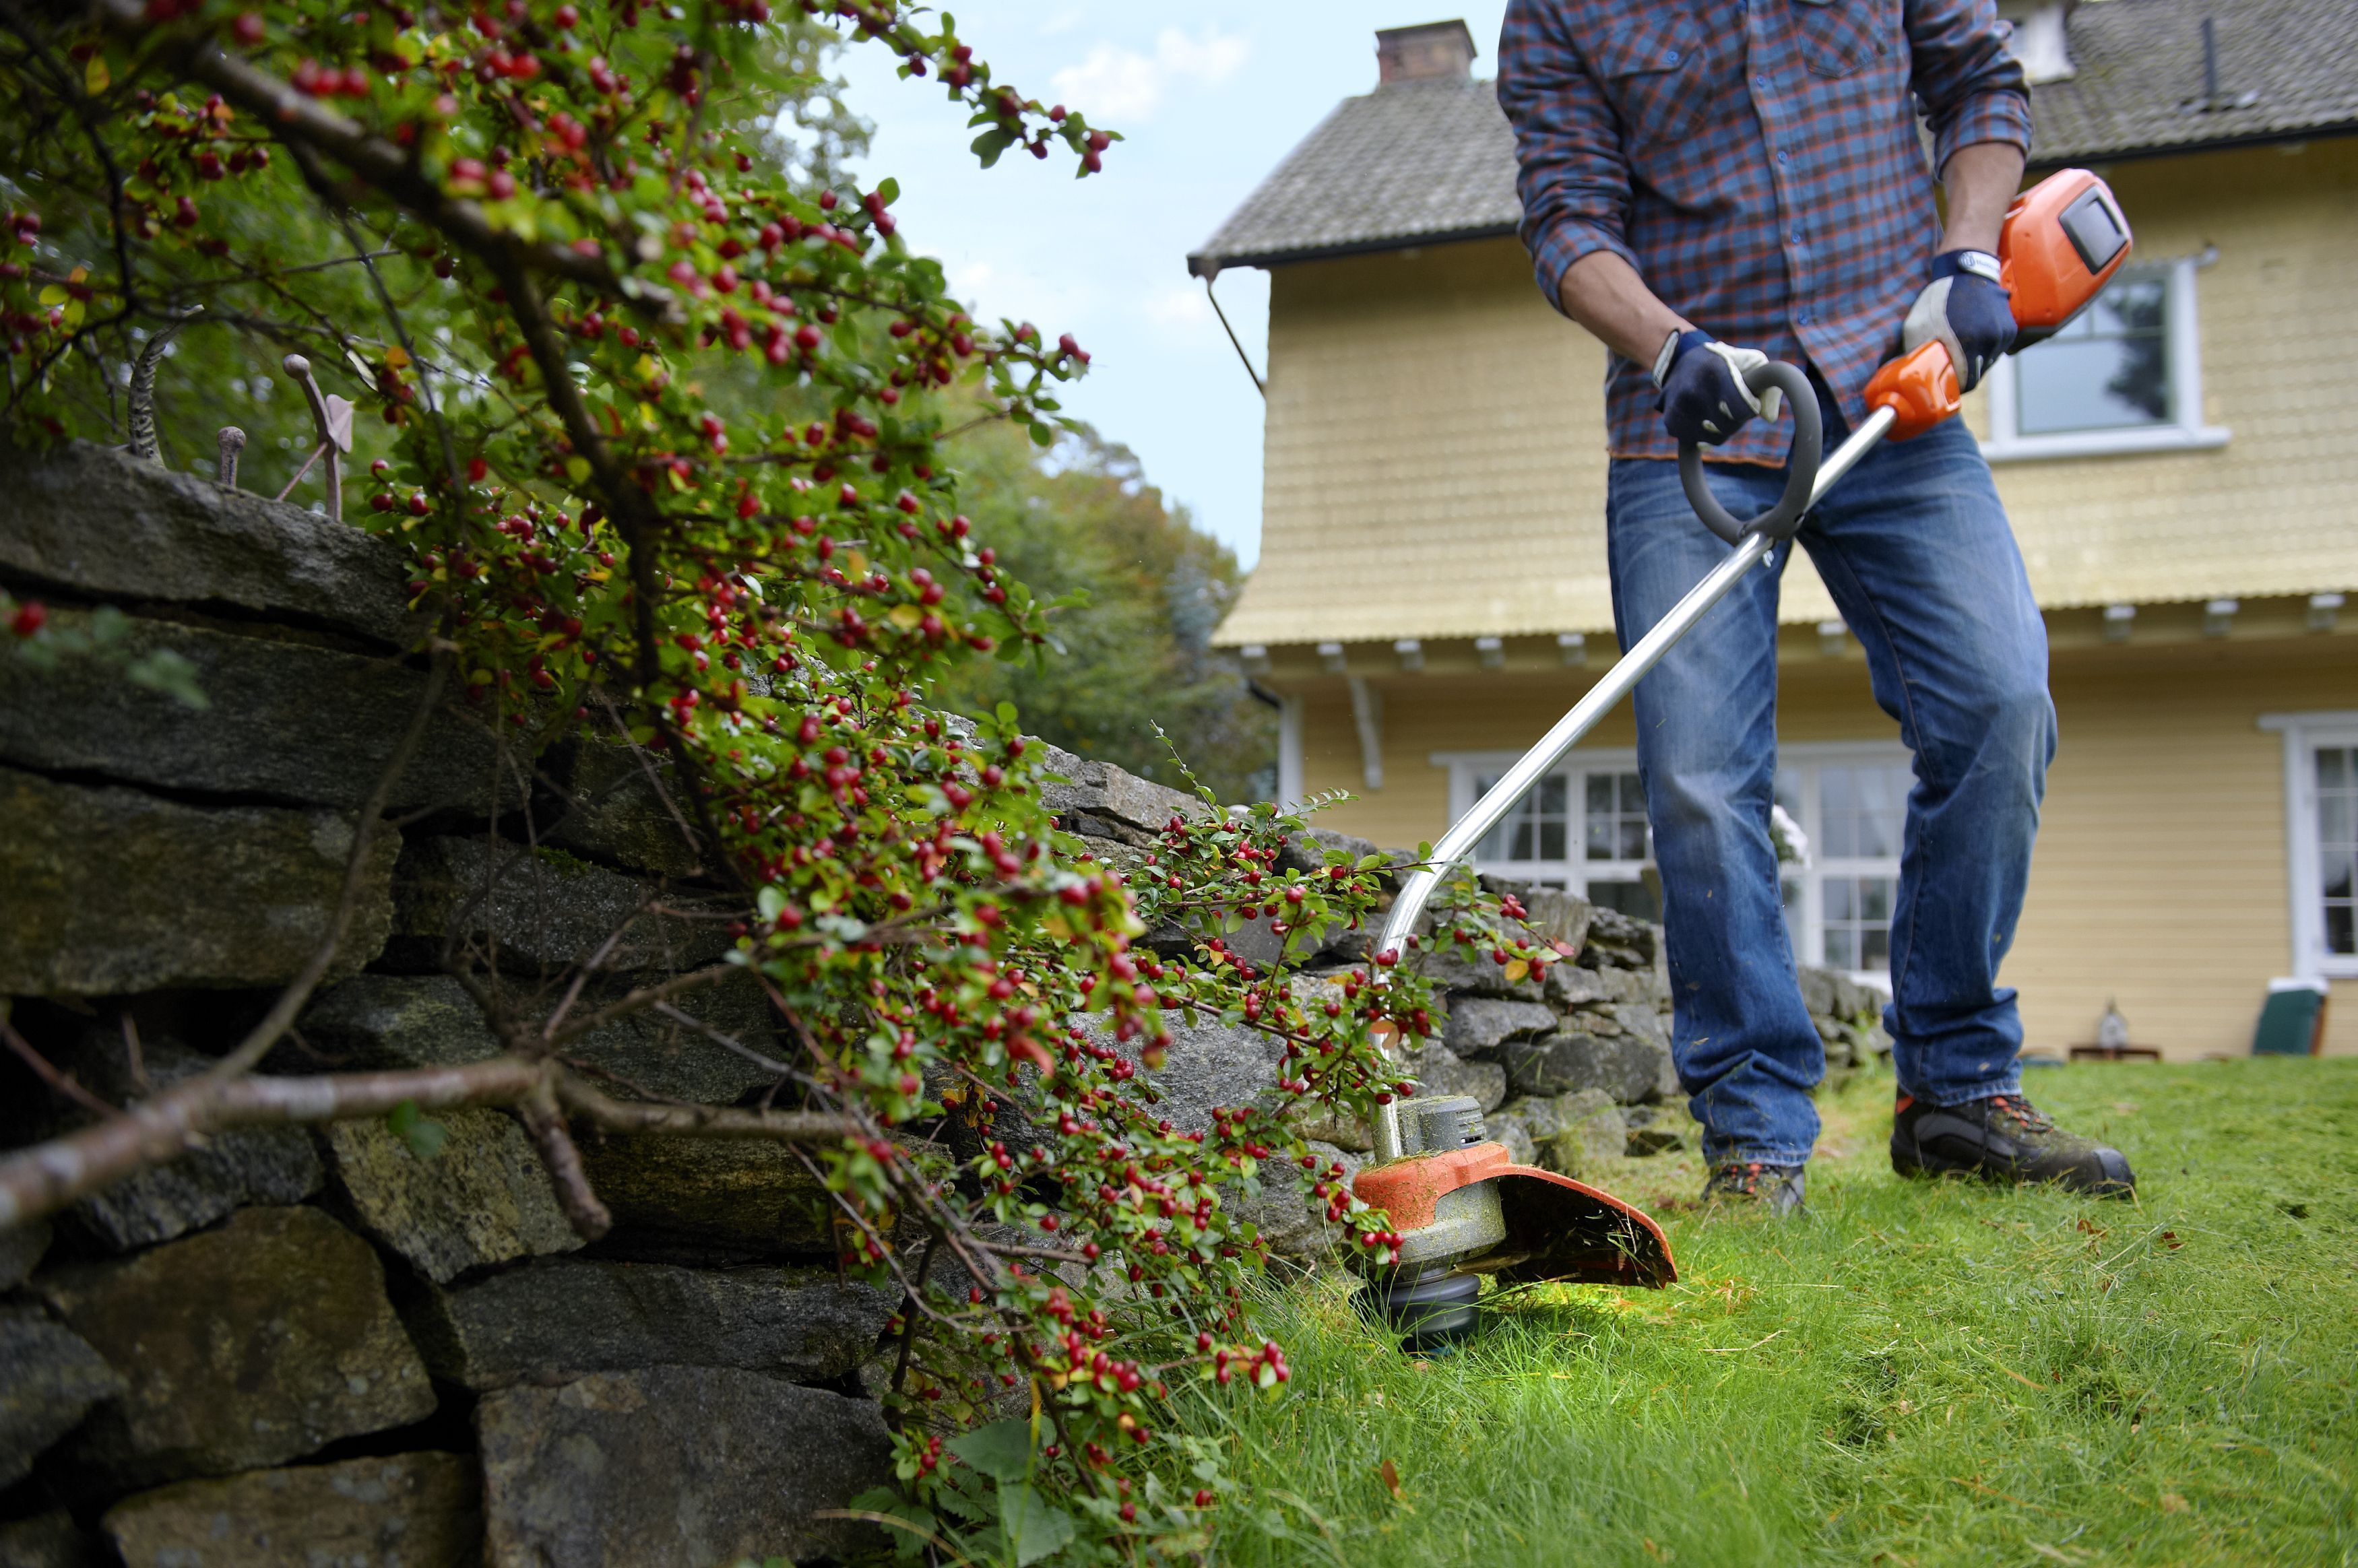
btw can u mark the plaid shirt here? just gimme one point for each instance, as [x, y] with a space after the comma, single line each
[1757, 161]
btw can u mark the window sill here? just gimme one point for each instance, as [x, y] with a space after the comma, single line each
[2106, 443]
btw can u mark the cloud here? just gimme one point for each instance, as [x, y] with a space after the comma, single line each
[1115, 84]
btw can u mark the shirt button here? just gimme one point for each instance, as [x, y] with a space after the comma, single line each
[1797, 236]
[1783, 158]
[1670, 56]
[1803, 317]
[1761, 83]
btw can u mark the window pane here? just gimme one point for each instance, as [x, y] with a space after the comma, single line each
[1535, 830]
[1633, 839]
[1789, 791]
[2108, 371]
[2337, 845]
[1865, 809]
[1635, 900]
[1840, 954]
[1874, 899]
[1858, 921]
[1839, 892]
[1616, 824]
[1633, 794]
[1600, 793]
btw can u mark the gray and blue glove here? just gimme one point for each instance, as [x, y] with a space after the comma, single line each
[1704, 395]
[1966, 308]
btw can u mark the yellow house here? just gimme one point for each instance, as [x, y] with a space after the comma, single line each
[2182, 470]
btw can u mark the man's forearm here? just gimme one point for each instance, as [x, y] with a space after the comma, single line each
[1980, 182]
[1604, 294]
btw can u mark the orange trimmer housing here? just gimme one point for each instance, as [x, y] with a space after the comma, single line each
[1557, 1228]
[2062, 241]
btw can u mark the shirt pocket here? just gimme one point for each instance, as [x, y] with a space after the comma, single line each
[1651, 68]
[1837, 37]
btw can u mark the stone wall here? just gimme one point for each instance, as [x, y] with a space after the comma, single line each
[382, 1343]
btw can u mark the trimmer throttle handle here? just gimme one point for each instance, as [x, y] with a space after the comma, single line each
[1808, 438]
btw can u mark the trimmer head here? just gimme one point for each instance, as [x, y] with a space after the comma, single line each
[1463, 1209]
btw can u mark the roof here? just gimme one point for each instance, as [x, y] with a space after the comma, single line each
[1420, 162]
[1413, 162]
[2286, 69]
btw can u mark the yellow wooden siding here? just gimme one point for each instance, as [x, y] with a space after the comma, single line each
[2160, 878]
[1434, 453]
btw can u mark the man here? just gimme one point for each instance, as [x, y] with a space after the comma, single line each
[1705, 186]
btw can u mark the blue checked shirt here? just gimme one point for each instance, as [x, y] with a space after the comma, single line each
[1757, 161]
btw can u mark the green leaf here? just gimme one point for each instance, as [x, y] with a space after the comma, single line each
[423, 1134]
[889, 190]
[1032, 1527]
[1001, 1451]
[168, 671]
[991, 144]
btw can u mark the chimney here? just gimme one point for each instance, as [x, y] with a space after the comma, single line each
[1434, 52]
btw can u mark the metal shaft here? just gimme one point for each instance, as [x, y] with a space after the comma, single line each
[1471, 828]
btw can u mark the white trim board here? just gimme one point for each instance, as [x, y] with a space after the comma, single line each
[2302, 733]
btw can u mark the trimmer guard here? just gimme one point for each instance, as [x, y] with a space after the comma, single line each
[1557, 1228]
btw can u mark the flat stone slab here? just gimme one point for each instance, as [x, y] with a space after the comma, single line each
[242, 1348]
[483, 1198]
[542, 911]
[559, 1319]
[50, 1379]
[104, 886]
[414, 1510]
[102, 523]
[388, 1022]
[736, 1198]
[263, 694]
[674, 1464]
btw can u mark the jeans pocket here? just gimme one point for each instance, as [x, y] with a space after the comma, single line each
[1653, 72]
[1837, 37]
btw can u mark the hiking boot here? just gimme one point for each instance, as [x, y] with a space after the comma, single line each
[1778, 1187]
[2007, 1139]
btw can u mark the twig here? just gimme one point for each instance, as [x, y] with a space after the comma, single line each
[47, 1072]
[133, 1054]
[591, 1218]
[704, 1120]
[726, 1041]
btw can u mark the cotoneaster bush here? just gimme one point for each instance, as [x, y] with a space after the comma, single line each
[525, 235]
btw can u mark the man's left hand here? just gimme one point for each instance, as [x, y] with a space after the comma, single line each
[1967, 309]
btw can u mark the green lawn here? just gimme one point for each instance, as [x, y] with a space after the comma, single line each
[1912, 1374]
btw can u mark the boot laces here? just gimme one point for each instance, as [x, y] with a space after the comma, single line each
[2023, 1111]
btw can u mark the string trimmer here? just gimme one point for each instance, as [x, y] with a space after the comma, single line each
[1460, 1205]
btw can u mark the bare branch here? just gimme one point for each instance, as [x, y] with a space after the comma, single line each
[704, 1120]
[47, 1072]
[48, 1176]
[591, 1218]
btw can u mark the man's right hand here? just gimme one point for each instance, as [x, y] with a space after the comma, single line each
[1704, 395]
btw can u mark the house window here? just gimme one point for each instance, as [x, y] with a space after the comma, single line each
[2321, 839]
[1583, 828]
[1851, 805]
[2125, 376]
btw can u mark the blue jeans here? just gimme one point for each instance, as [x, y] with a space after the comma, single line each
[1916, 552]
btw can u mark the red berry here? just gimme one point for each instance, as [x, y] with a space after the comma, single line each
[418, 506]
[30, 617]
[249, 27]
[567, 17]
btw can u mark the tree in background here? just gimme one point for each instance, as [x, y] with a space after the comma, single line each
[1136, 592]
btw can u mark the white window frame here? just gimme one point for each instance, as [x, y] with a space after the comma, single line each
[2184, 432]
[2304, 734]
[1574, 872]
[1804, 758]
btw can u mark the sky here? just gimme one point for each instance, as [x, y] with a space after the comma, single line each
[1209, 95]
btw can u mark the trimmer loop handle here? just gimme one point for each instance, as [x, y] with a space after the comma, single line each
[1800, 476]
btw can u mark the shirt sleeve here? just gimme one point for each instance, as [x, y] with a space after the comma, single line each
[1571, 175]
[1970, 85]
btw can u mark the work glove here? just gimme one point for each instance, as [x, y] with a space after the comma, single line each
[1704, 395]
[1966, 308]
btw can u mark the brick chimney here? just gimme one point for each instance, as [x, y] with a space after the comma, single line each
[1434, 52]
